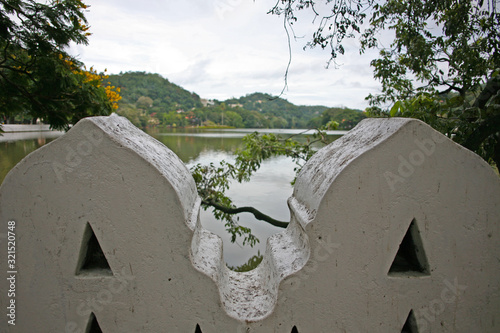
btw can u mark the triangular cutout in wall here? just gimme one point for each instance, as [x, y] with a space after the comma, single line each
[410, 259]
[197, 329]
[410, 325]
[93, 325]
[92, 260]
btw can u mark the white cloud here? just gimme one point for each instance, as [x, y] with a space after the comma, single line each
[220, 49]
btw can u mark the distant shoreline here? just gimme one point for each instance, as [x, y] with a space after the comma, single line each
[13, 128]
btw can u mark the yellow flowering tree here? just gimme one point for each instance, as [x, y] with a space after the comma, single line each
[38, 78]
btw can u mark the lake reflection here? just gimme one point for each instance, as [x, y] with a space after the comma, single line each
[267, 191]
[15, 146]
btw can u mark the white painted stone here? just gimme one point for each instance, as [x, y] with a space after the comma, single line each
[142, 204]
[355, 220]
[327, 272]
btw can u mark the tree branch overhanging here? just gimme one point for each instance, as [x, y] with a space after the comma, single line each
[485, 129]
[258, 214]
[492, 88]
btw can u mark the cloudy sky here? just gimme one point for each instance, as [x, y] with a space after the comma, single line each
[221, 49]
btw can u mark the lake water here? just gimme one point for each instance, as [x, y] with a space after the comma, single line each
[267, 191]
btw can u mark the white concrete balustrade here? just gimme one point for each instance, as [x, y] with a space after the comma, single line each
[394, 228]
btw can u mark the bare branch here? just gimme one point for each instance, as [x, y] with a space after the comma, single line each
[258, 214]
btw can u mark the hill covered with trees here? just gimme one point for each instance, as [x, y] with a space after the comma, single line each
[345, 117]
[153, 91]
[280, 112]
[151, 100]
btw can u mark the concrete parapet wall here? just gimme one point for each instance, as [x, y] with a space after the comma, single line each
[393, 228]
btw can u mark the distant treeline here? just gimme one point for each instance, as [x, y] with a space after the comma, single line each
[151, 100]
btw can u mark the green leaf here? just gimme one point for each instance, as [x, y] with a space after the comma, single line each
[395, 108]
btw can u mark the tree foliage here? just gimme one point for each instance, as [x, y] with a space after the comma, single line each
[345, 117]
[447, 60]
[335, 20]
[442, 65]
[38, 78]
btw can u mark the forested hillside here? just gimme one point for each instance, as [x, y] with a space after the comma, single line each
[345, 117]
[284, 113]
[151, 100]
[153, 92]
